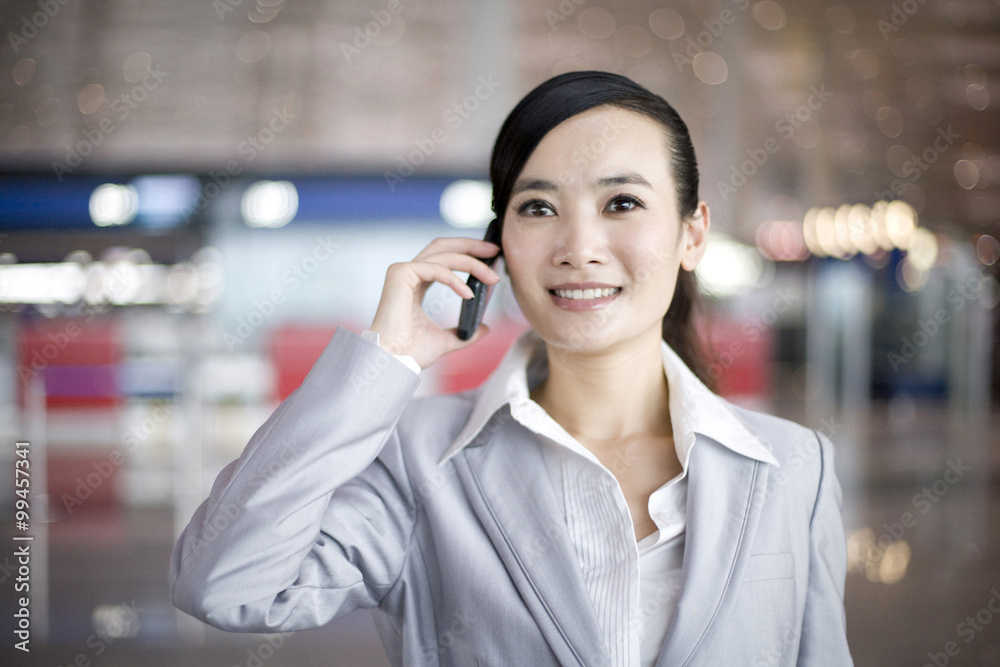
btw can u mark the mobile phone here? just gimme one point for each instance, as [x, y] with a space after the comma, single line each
[473, 309]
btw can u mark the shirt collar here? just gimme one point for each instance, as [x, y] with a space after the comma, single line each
[694, 409]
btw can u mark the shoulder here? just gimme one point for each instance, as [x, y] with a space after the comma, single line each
[783, 436]
[804, 455]
[431, 423]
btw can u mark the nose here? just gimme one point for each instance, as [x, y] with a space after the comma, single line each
[581, 241]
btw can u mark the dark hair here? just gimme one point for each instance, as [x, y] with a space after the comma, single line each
[567, 95]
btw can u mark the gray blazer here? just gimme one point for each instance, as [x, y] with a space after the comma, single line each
[339, 502]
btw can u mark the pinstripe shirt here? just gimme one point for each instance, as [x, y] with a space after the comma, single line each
[634, 586]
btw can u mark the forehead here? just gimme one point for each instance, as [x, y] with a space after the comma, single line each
[599, 139]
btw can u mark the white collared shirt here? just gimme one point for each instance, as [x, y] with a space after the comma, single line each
[634, 586]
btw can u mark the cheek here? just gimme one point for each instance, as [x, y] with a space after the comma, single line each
[655, 274]
[651, 259]
[520, 257]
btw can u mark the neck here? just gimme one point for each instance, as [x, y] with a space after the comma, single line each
[608, 396]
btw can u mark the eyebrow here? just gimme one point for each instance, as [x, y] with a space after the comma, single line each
[534, 184]
[625, 178]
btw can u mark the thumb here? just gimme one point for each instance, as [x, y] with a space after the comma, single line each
[481, 332]
[458, 344]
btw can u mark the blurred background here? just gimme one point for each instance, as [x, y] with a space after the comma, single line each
[195, 194]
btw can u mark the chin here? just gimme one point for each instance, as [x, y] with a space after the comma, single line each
[584, 337]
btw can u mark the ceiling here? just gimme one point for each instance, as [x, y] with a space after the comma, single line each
[791, 105]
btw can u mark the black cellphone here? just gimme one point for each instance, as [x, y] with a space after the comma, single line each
[473, 309]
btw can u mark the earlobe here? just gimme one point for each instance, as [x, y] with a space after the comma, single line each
[695, 237]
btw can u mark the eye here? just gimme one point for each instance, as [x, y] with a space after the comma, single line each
[535, 208]
[623, 203]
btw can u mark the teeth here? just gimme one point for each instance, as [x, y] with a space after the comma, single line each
[586, 293]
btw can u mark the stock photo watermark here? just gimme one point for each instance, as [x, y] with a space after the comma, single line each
[23, 541]
[381, 18]
[454, 116]
[293, 277]
[970, 627]
[583, 334]
[786, 127]
[773, 654]
[122, 106]
[898, 16]
[225, 514]
[55, 343]
[654, 607]
[700, 43]
[112, 623]
[914, 168]
[804, 451]
[256, 657]
[588, 153]
[249, 150]
[223, 7]
[33, 24]
[446, 638]
[118, 282]
[927, 329]
[104, 468]
[752, 331]
[563, 12]
[924, 501]
[370, 371]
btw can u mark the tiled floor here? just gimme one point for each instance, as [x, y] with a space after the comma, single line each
[115, 562]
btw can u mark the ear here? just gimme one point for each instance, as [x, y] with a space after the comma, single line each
[695, 237]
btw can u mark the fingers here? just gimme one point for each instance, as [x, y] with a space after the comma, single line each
[459, 254]
[458, 344]
[417, 277]
[400, 317]
[433, 272]
[460, 262]
[467, 246]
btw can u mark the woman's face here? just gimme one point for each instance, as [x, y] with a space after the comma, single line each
[592, 238]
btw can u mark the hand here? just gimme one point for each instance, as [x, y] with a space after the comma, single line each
[400, 321]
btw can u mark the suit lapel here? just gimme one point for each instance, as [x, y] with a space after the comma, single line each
[509, 488]
[726, 491]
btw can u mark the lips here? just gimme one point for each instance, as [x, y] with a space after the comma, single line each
[585, 293]
[583, 296]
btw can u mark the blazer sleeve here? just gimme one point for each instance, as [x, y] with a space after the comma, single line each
[315, 517]
[824, 624]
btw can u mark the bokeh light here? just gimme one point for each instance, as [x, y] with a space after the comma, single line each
[137, 66]
[987, 249]
[768, 15]
[23, 71]
[596, 22]
[900, 223]
[467, 203]
[113, 205]
[710, 67]
[271, 204]
[666, 23]
[90, 98]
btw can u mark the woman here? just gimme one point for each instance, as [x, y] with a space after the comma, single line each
[592, 502]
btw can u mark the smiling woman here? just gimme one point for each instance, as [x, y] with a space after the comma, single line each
[593, 502]
[599, 252]
[610, 224]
